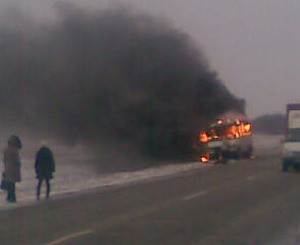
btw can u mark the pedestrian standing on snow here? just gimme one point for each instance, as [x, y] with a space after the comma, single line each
[12, 167]
[44, 168]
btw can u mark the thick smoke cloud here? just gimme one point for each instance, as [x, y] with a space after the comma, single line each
[114, 75]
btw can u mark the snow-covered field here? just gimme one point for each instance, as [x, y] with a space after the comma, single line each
[77, 172]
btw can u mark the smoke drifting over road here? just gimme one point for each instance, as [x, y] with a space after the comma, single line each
[115, 74]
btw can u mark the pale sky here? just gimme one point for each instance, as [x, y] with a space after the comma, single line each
[254, 45]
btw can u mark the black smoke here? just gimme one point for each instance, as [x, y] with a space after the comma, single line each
[117, 75]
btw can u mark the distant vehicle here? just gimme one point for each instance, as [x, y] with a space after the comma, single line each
[291, 143]
[227, 139]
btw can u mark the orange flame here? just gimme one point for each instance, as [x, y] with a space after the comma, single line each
[203, 137]
[204, 159]
[237, 130]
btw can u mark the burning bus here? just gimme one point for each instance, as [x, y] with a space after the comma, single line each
[227, 139]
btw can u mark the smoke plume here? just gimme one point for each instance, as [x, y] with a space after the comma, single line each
[108, 75]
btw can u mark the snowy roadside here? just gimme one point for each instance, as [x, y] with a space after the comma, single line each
[76, 172]
[73, 177]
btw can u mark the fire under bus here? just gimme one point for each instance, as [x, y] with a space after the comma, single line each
[227, 139]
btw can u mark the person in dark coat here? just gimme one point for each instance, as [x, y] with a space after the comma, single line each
[12, 166]
[44, 168]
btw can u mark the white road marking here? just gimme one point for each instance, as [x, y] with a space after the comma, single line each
[68, 237]
[202, 193]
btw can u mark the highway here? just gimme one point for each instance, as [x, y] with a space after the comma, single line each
[242, 202]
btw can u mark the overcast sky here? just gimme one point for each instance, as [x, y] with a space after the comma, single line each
[254, 45]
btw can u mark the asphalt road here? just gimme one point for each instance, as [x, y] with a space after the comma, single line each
[242, 202]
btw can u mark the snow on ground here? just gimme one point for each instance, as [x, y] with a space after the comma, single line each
[76, 172]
